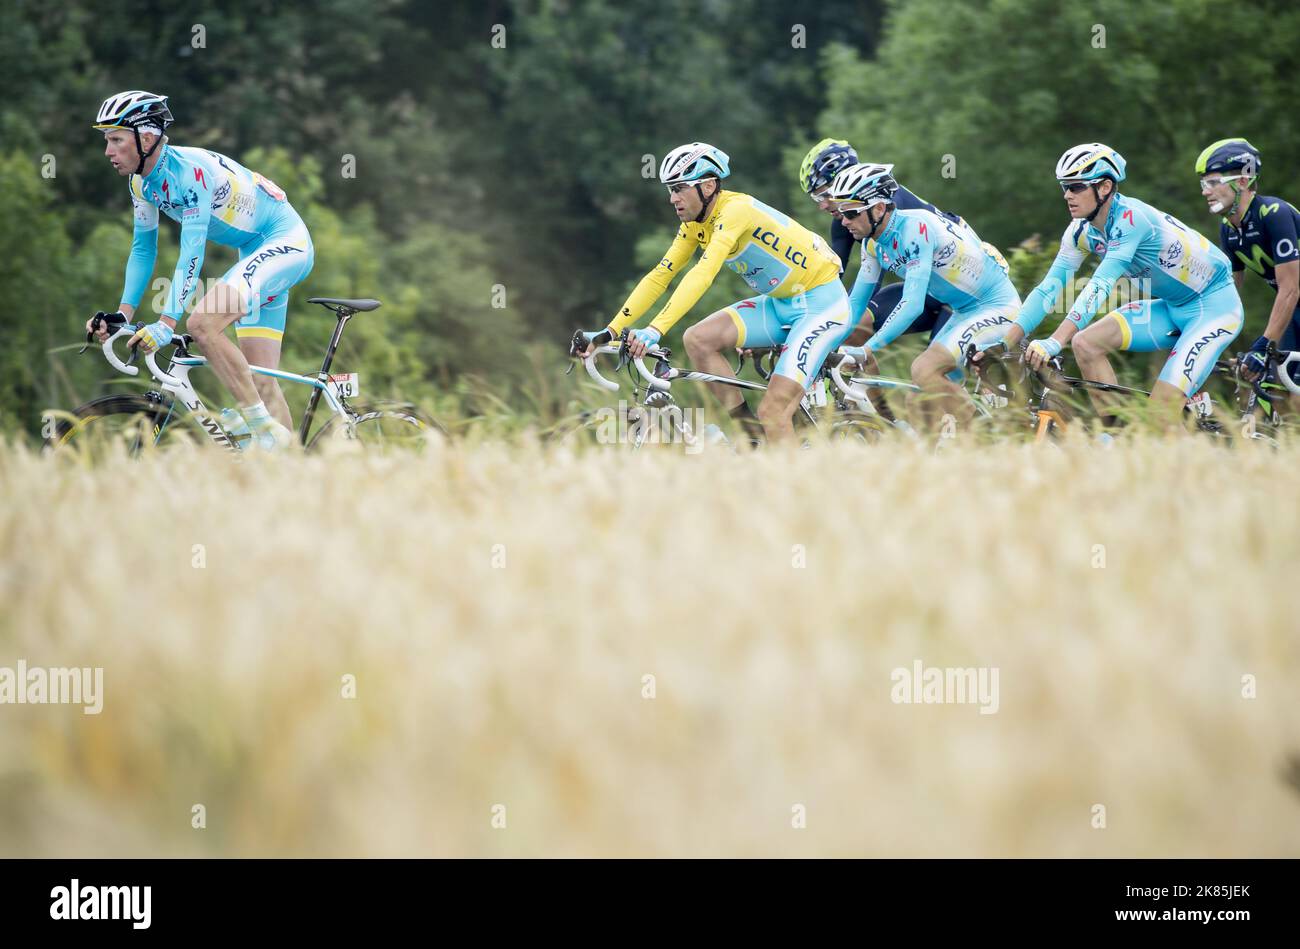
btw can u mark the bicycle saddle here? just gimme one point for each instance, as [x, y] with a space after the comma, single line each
[359, 306]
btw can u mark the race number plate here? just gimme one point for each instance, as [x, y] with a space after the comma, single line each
[1202, 404]
[815, 397]
[348, 384]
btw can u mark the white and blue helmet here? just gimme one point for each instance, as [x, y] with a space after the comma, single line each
[1090, 162]
[694, 162]
[868, 182]
[135, 109]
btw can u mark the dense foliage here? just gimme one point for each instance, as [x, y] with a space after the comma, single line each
[504, 152]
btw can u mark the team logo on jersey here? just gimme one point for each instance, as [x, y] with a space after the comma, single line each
[805, 345]
[1189, 361]
[1171, 255]
[971, 331]
[1099, 248]
[221, 194]
[264, 256]
[945, 254]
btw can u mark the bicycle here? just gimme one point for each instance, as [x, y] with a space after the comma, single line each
[987, 402]
[156, 415]
[1053, 405]
[1262, 392]
[658, 417]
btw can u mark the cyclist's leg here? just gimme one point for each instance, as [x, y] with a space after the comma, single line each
[822, 325]
[264, 277]
[260, 344]
[1208, 324]
[1142, 326]
[220, 307]
[931, 369]
[878, 309]
[749, 324]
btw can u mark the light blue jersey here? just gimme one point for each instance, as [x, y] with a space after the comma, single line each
[942, 259]
[1138, 241]
[215, 198]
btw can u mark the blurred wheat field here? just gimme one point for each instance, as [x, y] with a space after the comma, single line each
[500, 607]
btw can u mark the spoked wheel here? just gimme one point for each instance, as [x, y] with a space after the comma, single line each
[603, 427]
[860, 428]
[397, 428]
[132, 421]
[582, 429]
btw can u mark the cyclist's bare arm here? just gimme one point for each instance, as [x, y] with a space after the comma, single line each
[1287, 276]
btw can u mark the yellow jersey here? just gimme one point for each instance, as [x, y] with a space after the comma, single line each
[772, 253]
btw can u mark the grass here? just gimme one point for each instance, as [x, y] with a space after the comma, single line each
[500, 606]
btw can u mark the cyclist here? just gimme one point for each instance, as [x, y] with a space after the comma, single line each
[1259, 232]
[212, 197]
[800, 301]
[823, 162]
[1193, 309]
[934, 255]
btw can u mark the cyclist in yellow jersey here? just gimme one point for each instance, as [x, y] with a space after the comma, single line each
[800, 301]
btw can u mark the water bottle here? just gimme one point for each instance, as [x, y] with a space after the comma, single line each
[236, 427]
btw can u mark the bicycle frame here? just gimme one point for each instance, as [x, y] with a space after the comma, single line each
[855, 388]
[176, 380]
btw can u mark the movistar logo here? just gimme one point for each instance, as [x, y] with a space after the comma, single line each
[1258, 261]
[1263, 212]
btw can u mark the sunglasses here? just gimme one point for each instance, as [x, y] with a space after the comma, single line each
[852, 213]
[1209, 184]
[1075, 187]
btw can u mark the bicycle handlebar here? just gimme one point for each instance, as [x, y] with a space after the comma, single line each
[655, 382]
[151, 359]
[589, 363]
[850, 389]
[123, 367]
[1283, 375]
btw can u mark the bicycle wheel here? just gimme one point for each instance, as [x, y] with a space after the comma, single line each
[134, 421]
[860, 427]
[399, 428]
[605, 427]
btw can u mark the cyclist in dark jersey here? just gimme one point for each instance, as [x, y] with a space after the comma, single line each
[823, 162]
[1259, 232]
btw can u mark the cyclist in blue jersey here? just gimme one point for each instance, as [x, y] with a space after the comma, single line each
[935, 256]
[1193, 308]
[215, 198]
[823, 162]
[1259, 232]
